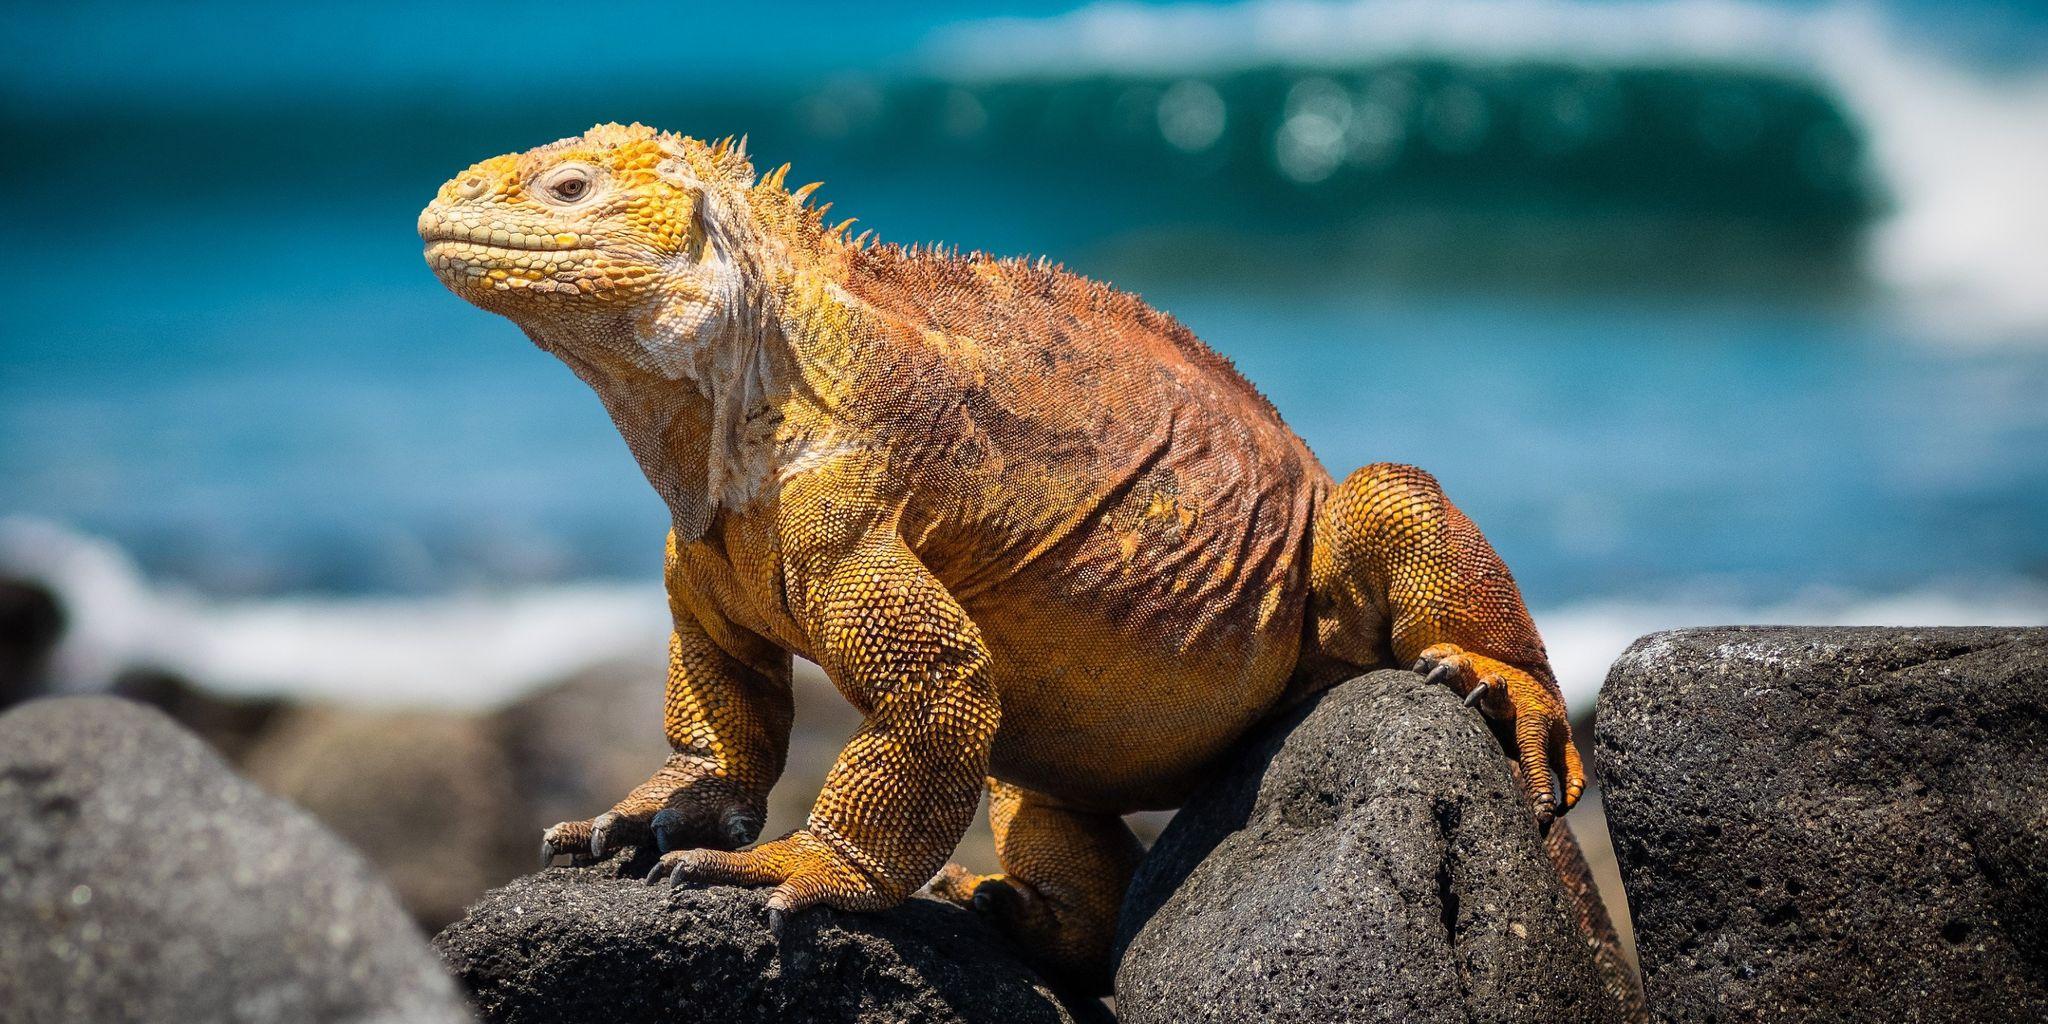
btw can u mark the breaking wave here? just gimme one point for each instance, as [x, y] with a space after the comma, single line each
[1957, 152]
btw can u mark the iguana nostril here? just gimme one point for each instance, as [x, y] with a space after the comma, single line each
[470, 187]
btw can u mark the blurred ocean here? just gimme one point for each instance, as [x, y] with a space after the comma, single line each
[1705, 311]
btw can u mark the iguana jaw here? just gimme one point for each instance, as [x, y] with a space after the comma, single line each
[473, 269]
[511, 263]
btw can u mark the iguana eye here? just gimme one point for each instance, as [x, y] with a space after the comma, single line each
[568, 184]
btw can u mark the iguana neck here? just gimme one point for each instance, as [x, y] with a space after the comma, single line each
[718, 399]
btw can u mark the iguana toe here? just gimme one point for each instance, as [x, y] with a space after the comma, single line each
[568, 837]
[611, 831]
[592, 840]
[954, 884]
[1551, 771]
[993, 896]
[1017, 906]
[803, 869]
[1073, 952]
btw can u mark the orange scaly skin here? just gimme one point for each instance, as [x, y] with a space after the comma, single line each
[1036, 532]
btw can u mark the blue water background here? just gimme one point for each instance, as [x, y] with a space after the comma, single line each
[223, 351]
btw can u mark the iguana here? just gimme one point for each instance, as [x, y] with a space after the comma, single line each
[1043, 538]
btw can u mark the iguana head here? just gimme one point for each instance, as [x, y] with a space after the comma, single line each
[610, 227]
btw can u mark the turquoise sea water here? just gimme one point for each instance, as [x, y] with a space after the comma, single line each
[1646, 312]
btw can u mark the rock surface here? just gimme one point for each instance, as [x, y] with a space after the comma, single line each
[1834, 824]
[577, 944]
[1370, 859]
[141, 879]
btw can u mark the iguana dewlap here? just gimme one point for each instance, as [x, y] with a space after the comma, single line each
[1040, 535]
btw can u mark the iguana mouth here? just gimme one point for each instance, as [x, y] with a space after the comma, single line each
[435, 230]
[467, 264]
[483, 240]
[466, 251]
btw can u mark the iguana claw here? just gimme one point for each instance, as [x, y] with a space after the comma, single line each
[802, 869]
[1434, 673]
[1542, 738]
[602, 829]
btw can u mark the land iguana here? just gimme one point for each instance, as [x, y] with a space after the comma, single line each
[1044, 539]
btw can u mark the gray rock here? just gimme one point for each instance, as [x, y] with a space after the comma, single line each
[1369, 858]
[1834, 824]
[577, 944]
[142, 880]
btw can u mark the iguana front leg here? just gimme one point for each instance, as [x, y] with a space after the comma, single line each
[903, 651]
[1402, 576]
[728, 722]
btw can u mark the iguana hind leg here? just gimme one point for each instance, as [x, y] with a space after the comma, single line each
[1063, 880]
[1401, 577]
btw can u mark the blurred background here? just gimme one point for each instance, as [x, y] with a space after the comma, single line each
[1706, 311]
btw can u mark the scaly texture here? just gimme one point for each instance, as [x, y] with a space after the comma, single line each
[1033, 529]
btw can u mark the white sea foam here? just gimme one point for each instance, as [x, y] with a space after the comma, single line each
[1962, 152]
[476, 650]
[462, 650]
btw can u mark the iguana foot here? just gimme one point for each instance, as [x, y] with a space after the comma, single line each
[669, 829]
[1551, 769]
[804, 867]
[594, 839]
[683, 805]
[1072, 954]
[1012, 903]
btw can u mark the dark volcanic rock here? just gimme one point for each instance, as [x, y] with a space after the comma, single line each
[31, 622]
[575, 944]
[1369, 859]
[141, 880]
[1834, 824]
